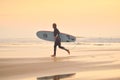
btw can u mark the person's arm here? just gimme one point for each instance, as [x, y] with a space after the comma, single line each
[56, 34]
[55, 37]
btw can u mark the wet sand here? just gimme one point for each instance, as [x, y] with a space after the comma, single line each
[102, 64]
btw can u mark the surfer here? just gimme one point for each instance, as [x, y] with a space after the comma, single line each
[57, 41]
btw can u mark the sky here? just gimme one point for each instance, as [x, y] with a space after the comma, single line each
[84, 18]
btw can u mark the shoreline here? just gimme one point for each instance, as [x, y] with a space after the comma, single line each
[88, 64]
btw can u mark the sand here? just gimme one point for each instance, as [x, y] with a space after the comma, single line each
[96, 63]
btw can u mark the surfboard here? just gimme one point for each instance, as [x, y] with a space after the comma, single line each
[49, 36]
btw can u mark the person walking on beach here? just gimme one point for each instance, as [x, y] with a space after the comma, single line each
[57, 41]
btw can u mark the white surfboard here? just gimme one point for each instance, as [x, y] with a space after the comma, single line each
[49, 36]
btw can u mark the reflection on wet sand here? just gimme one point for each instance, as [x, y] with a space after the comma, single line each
[57, 77]
[116, 78]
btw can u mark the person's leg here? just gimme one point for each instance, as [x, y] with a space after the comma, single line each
[63, 48]
[55, 47]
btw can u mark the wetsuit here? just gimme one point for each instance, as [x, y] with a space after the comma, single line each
[57, 41]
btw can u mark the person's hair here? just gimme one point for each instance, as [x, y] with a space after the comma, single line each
[54, 25]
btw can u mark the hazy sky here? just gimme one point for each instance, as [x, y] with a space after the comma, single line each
[86, 18]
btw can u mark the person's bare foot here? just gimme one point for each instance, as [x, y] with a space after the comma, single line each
[53, 55]
[68, 52]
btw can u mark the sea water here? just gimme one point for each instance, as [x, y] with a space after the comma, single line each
[33, 47]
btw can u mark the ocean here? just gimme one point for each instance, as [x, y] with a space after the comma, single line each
[78, 40]
[29, 47]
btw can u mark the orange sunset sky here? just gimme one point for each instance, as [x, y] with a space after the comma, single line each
[85, 18]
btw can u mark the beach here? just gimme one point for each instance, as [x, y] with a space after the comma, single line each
[93, 61]
[91, 31]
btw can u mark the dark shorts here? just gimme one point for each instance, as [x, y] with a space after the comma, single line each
[58, 41]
